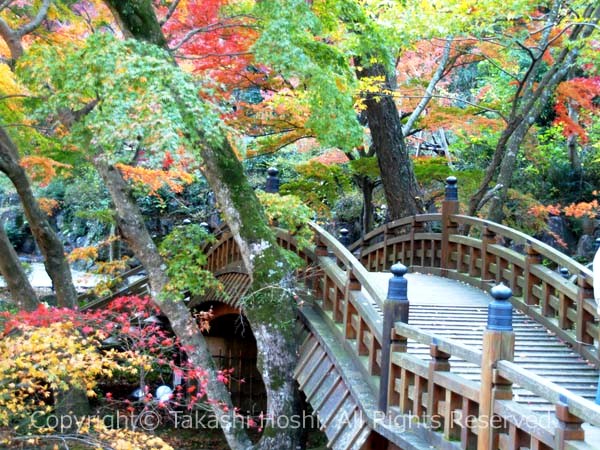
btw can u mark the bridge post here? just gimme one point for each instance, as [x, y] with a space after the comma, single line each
[569, 426]
[533, 258]
[498, 344]
[272, 184]
[395, 309]
[344, 237]
[449, 207]
[488, 238]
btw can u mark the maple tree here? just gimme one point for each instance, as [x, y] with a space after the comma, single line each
[530, 87]
[53, 350]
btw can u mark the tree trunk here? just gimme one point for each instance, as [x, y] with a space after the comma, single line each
[263, 258]
[51, 247]
[507, 167]
[573, 144]
[366, 187]
[402, 192]
[131, 226]
[269, 296]
[21, 292]
[137, 20]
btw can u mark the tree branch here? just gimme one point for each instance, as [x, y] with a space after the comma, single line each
[36, 21]
[172, 7]
[489, 195]
[215, 26]
[437, 76]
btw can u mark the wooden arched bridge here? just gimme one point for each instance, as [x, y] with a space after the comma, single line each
[428, 359]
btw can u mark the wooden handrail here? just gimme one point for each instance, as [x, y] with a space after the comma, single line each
[449, 346]
[549, 252]
[579, 406]
[349, 260]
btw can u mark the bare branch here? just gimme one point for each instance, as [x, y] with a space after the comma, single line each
[489, 195]
[212, 27]
[475, 105]
[36, 21]
[211, 55]
[5, 4]
[172, 7]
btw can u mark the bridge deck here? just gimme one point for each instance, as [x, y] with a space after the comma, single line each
[457, 311]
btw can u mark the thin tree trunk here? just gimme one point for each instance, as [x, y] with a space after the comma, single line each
[400, 185]
[496, 212]
[21, 291]
[366, 187]
[51, 247]
[131, 226]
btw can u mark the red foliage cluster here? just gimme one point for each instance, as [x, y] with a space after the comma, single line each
[130, 325]
[212, 42]
[573, 98]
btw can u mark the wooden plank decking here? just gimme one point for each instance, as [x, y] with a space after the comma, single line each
[457, 311]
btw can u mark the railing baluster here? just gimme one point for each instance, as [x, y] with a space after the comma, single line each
[532, 258]
[569, 426]
[439, 363]
[488, 238]
[586, 291]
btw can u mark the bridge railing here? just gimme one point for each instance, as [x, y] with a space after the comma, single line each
[345, 291]
[480, 413]
[483, 253]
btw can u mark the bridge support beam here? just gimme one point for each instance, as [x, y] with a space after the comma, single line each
[395, 309]
[498, 344]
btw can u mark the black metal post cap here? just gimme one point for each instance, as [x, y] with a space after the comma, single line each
[398, 285]
[452, 180]
[564, 272]
[451, 188]
[500, 309]
[344, 238]
[272, 185]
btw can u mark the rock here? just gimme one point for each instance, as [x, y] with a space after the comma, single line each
[585, 247]
[558, 229]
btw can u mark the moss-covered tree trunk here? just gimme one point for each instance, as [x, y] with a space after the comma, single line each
[51, 247]
[270, 307]
[20, 289]
[263, 258]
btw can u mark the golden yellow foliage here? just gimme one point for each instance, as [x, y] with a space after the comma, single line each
[48, 205]
[83, 254]
[36, 362]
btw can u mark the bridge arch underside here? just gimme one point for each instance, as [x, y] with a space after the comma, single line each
[342, 405]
